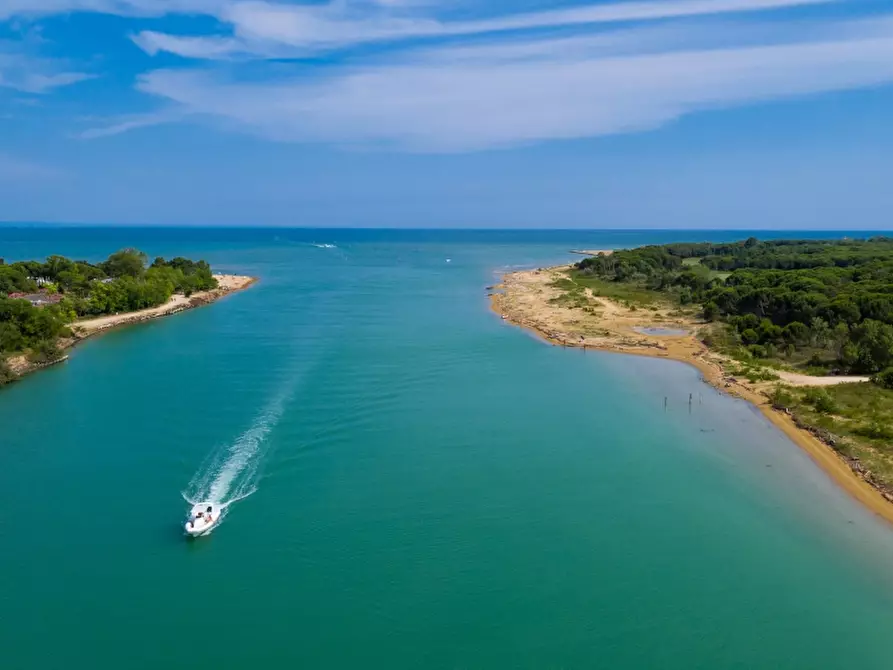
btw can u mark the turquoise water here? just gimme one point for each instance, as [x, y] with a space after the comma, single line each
[434, 488]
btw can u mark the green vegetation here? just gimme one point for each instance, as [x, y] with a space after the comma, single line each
[628, 293]
[858, 417]
[576, 283]
[753, 373]
[23, 326]
[72, 289]
[6, 373]
[573, 295]
[818, 305]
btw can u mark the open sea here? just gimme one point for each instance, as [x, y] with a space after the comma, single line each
[415, 484]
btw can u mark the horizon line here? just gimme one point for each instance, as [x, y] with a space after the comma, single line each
[242, 226]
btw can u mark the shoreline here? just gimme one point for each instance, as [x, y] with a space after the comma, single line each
[87, 328]
[524, 301]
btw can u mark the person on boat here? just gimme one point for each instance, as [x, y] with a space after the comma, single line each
[209, 514]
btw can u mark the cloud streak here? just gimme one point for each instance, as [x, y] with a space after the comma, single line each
[34, 75]
[264, 28]
[32, 8]
[503, 99]
[465, 85]
[134, 122]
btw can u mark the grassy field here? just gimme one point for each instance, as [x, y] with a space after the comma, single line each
[573, 295]
[712, 274]
[632, 295]
[860, 416]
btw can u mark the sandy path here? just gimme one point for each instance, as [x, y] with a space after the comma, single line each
[796, 379]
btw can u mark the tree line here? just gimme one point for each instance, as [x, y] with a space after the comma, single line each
[124, 282]
[831, 297]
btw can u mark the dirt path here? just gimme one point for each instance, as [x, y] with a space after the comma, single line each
[796, 379]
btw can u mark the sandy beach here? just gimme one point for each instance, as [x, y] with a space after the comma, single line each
[87, 327]
[527, 299]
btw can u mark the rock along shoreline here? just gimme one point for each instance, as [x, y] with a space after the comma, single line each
[84, 329]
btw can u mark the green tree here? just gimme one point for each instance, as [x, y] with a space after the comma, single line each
[795, 332]
[125, 263]
[6, 373]
[819, 332]
[750, 336]
[874, 341]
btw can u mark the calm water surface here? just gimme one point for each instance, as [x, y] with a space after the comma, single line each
[434, 488]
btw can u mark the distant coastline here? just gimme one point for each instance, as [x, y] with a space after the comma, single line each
[86, 328]
[530, 300]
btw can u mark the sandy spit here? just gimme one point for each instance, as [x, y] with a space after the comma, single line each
[226, 284]
[524, 300]
[85, 328]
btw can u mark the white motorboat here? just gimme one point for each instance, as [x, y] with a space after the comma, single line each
[202, 518]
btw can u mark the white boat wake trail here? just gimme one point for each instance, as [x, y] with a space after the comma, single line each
[230, 472]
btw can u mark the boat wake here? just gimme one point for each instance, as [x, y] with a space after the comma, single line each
[230, 472]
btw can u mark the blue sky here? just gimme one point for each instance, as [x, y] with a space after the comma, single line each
[448, 113]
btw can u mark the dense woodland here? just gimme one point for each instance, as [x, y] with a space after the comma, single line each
[124, 282]
[832, 299]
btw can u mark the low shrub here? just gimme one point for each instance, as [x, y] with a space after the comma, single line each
[821, 400]
[884, 378]
[781, 398]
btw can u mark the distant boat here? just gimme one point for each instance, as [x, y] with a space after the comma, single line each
[449, 260]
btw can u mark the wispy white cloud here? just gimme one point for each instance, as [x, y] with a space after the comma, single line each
[33, 75]
[31, 8]
[260, 26]
[124, 124]
[210, 47]
[479, 83]
[504, 99]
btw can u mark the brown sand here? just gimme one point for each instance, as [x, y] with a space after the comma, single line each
[525, 301]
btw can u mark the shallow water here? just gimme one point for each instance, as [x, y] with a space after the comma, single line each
[656, 330]
[434, 488]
